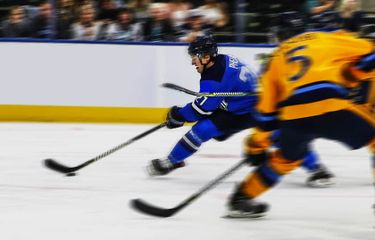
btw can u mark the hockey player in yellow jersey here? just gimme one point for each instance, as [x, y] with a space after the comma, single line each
[304, 95]
[309, 74]
[258, 144]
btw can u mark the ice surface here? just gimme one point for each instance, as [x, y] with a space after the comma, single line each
[36, 203]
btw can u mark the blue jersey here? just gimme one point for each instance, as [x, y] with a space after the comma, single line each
[228, 74]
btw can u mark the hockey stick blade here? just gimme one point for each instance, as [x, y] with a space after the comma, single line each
[146, 208]
[58, 167]
[152, 210]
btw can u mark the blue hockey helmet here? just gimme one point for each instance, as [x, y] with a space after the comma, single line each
[202, 46]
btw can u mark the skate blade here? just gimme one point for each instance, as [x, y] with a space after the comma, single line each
[151, 172]
[322, 183]
[242, 215]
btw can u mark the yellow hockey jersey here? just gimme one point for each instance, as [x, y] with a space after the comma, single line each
[308, 75]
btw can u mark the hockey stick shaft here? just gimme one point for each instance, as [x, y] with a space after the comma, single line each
[211, 94]
[146, 208]
[54, 165]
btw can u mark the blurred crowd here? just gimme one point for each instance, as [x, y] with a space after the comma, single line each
[134, 20]
[173, 20]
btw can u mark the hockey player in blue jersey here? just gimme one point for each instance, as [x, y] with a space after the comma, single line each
[215, 117]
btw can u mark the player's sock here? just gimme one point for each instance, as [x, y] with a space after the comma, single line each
[310, 162]
[186, 147]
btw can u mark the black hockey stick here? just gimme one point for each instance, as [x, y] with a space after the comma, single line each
[56, 166]
[208, 94]
[146, 208]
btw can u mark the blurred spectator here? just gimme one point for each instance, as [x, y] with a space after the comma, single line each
[350, 14]
[195, 28]
[289, 24]
[179, 12]
[158, 27]
[86, 28]
[16, 25]
[140, 9]
[41, 25]
[125, 28]
[87, 2]
[322, 14]
[107, 10]
[294, 5]
[319, 6]
[328, 21]
[66, 16]
[214, 13]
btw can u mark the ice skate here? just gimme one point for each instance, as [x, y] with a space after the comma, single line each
[320, 178]
[240, 206]
[160, 167]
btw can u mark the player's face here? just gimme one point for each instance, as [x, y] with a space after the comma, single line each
[199, 63]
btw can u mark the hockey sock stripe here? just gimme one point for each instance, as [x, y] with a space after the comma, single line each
[268, 176]
[189, 143]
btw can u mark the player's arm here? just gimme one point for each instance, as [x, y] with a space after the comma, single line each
[363, 54]
[366, 63]
[363, 69]
[202, 107]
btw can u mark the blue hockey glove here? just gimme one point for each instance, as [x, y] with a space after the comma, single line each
[174, 118]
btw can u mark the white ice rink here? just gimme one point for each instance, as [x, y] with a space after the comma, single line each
[36, 203]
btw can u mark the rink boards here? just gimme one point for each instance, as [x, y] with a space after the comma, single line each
[67, 81]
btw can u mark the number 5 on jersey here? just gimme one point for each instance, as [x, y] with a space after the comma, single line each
[293, 57]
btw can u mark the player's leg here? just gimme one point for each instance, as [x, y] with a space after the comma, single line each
[320, 176]
[353, 127]
[256, 150]
[219, 124]
[256, 147]
[266, 176]
[294, 143]
[201, 132]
